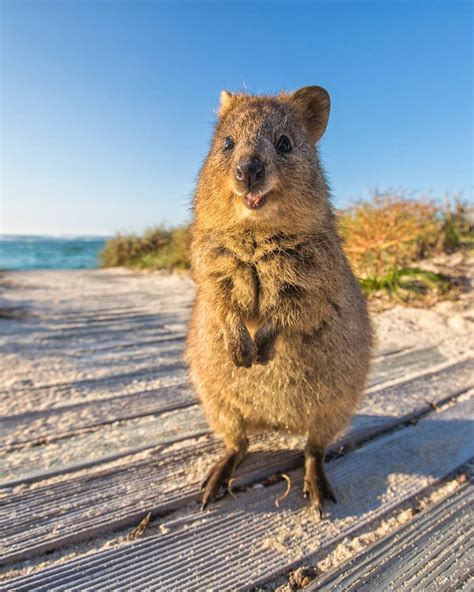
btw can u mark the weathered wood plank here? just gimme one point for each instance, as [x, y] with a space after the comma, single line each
[103, 321]
[74, 346]
[71, 419]
[51, 340]
[246, 542]
[434, 551]
[102, 387]
[109, 350]
[402, 364]
[99, 445]
[112, 332]
[72, 510]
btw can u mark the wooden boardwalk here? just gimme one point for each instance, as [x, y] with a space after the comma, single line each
[433, 551]
[100, 428]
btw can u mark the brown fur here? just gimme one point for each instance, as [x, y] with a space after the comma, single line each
[280, 337]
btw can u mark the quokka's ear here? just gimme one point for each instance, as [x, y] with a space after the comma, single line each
[313, 103]
[227, 100]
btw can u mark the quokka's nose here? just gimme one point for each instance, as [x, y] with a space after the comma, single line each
[250, 172]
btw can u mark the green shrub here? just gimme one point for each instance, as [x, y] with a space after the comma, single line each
[405, 284]
[159, 248]
[457, 225]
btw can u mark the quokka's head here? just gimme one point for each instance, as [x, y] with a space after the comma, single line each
[262, 167]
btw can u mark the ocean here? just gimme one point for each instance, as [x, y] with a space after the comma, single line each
[48, 252]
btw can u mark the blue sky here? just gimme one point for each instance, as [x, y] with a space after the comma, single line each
[107, 107]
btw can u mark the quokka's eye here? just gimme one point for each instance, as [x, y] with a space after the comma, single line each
[283, 145]
[228, 144]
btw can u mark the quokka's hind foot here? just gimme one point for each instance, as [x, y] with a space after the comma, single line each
[221, 473]
[218, 476]
[316, 485]
[316, 492]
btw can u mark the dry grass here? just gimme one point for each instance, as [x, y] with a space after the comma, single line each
[388, 232]
[386, 238]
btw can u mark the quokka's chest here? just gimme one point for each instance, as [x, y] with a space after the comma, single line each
[255, 286]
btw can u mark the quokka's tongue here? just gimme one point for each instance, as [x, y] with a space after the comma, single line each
[253, 199]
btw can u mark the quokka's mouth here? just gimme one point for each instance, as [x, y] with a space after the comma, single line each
[255, 200]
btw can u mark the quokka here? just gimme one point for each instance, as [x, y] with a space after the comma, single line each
[280, 337]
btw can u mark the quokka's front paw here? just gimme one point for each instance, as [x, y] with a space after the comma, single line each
[265, 339]
[240, 347]
[242, 352]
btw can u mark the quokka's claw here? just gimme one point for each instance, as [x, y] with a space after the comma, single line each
[318, 513]
[316, 487]
[218, 476]
[204, 483]
[330, 495]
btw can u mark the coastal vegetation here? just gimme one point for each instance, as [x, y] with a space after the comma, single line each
[392, 242]
[390, 239]
[158, 248]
